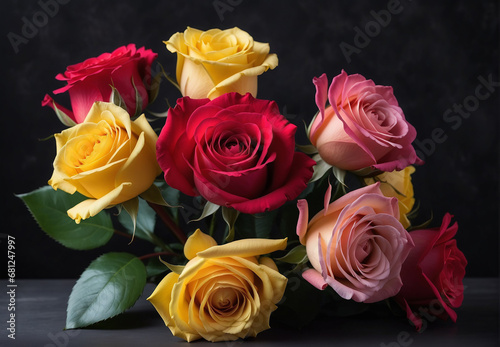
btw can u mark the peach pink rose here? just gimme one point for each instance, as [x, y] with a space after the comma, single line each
[362, 127]
[356, 245]
[432, 274]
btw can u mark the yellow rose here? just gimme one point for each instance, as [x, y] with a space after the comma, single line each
[214, 62]
[108, 158]
[398, 184]
[224, 292]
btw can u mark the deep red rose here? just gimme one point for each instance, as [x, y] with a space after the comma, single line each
[235, 151]
[432, 274]
[127, 69]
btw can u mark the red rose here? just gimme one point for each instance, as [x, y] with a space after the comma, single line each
[127, 69]
[235, 151]
[432, 274]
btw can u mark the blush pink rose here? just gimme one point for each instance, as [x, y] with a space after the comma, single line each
[235, 151]
[432, 274]
[363, 126]
[127, 69]
[356, 245]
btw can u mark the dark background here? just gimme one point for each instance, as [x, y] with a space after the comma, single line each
[433, 54]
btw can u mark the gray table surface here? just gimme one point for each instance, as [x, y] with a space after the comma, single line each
[41, 313]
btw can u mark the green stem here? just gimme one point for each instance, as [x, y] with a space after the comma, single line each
[122, 234]
[154, 240]
[151, 255]
[211, 229]
[165, 217]
[158, 242]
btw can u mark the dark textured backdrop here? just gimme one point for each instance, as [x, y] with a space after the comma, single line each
[435, 55]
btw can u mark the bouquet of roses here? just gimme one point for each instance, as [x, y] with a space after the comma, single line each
[276, 219]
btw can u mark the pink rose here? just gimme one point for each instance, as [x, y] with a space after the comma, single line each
[127, 69]
[362, 127]
[432, 274]
[356, 245]
[235, 151]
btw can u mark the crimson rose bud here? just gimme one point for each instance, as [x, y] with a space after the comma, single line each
[432, 274]
[127, 70]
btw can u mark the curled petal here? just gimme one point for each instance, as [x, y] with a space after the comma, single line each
[245, 248]
[314, 277]
[196, 243]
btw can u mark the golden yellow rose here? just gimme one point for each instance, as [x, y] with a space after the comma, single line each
[108, 158]
[224, 292]
[398, 184]
[214, 62]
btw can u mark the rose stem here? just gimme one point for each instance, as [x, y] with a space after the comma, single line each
[155, 240]
[151, 255]
[212, 226]
[121, 233]
[165, 217]
[158, 242]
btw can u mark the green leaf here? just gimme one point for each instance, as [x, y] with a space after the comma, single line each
[320, 168]
[132, 208]
[423, 225]
[116, 98]
[230, 216]
[154, 88]
[49, 208]
[255, 226]
[297, 255]
[155, 267]
[145, 221]
[170, 79]
[308, 127]
[307, 149]
[209, 209]
[153, 194]
[63, 117]
[171, 197]
[138, 100]
[111, 284]
[367, 172]
[340, 190]
[159, 114]
[339, 174]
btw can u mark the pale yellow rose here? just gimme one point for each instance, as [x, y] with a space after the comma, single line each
[214, 62]
[398, 184]
[224, 292]
[108, 158]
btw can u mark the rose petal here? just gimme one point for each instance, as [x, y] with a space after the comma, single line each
[198, 242]
[244, 248]
[314, 277]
